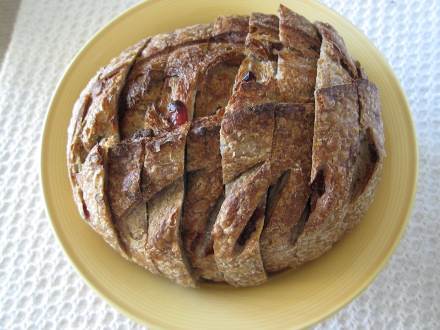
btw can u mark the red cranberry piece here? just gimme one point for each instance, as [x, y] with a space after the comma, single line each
[249, 77]
[177, 113]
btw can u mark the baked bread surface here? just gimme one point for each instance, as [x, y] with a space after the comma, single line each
[229, 150]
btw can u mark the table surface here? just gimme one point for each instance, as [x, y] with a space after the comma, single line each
[38, 286]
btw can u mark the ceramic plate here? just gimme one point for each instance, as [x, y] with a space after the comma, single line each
[290, 299]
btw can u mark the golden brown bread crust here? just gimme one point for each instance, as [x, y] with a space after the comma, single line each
[335, 146]
[224, 151]
[125, 162]
[369, 164]
[246, 131]
[95, 206]
[245, 141]
[297, 59]
[95, 114]
[164, 161]
[163, 188]
[220, 64]
[262, 40]
[182, 72]
[164, 247]
[157, 78]
[292, 138]
[335, 66]
[291, 165]
[231, 29]
[236, 250]
[203, 192]
[141, 92]
[203, 144]
[297, 33]
[215, 89]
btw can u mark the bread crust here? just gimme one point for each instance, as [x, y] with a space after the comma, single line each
[297, 33]
[164, 161]
[290, 191]
[231, 29]
[129, 210]
[141, 92]
[262, 41]
[246, 138]
[95, 115]
[203, 144]
[335, 65]
[224, 151]
[242, 145]
[247, 126]
[335, 146]
[296, 75]
[204, 190]
[96, 112]
[369, 164]
[240, 262]
[292, 138]
[125, 162]
[164, 246]
[166, 70]
[93, 184]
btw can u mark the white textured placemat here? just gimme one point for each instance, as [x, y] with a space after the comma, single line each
[38, 286]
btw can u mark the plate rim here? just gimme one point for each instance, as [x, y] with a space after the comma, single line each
[126, 310]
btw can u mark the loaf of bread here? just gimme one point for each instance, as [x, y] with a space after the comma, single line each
[226, 151]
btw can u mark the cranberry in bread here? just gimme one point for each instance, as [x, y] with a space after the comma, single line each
[227, 151]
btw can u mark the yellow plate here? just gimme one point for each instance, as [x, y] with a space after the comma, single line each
[290, 299]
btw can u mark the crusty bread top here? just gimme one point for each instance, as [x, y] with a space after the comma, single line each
[224, 151]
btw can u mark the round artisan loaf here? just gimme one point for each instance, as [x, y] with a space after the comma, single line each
[229, 150]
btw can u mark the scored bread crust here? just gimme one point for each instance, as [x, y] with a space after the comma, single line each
[94, 200]
[335, 66]
[296, 75]
[228, 150]
[164, 246]
[125, 161]
[369, 164]
[240, 261]
[250, 144]
[246, 142]
[164, 161]
[335, 142]
[204, 171]
[95, 116]
[204, 189]
[290, 191]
